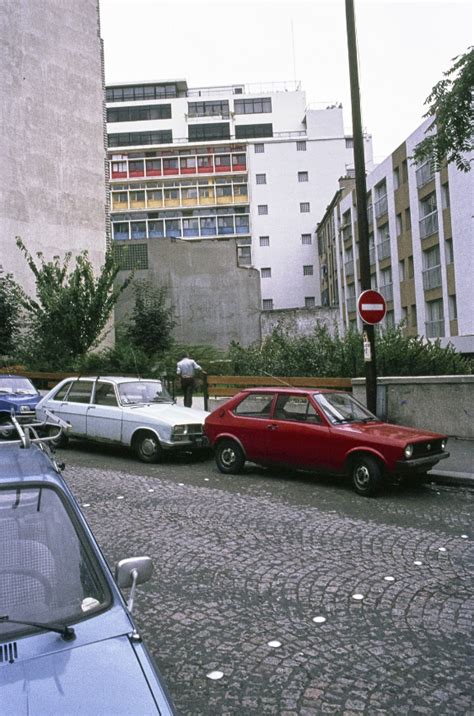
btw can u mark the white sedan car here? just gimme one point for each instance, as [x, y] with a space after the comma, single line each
[135, 412]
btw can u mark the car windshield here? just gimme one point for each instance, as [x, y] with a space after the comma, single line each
[17, 385]
[143, 392]
[47, 571]
[342, 408]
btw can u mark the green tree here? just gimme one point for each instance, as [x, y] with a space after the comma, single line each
[151, 322]
[10, 313]
[451, 106]
[71, 308]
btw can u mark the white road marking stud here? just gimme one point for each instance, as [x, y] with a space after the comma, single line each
[215, 675]
[86, 504]
[389, 579]
[120, 497]
[319, 620]
[151, 490]
[358, 597]
[274, 644]
[417, 562]
[442, 549]
[463, 536]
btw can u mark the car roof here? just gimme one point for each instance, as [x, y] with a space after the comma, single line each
[19, 464]
[14, 375]
[288, 389]
[113, 378]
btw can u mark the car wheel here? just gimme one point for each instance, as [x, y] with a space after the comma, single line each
[230, 458]
[60, 441]
[366, 475]
[147, 447]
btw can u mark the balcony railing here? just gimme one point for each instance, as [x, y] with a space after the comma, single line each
[383, 249]
[434, 329]
[429, 225]
[387, 291]
[432, 277]
[381, 206]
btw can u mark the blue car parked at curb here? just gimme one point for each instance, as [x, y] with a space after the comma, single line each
[18, 394]
[68, 642]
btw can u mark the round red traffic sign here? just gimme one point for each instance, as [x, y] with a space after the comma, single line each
[371, 306]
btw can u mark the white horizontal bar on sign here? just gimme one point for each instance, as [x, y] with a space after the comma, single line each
[372, 306]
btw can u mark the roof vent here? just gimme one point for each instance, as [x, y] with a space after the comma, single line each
[8, 653]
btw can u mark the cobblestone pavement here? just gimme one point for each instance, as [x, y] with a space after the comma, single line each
[257, 577]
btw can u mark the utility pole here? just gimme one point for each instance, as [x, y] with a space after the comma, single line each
[361, 198]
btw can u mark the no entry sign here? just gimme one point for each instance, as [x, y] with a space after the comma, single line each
[371, 306]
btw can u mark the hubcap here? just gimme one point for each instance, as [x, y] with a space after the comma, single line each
[362, 476]
[228, 457]
[149, 447]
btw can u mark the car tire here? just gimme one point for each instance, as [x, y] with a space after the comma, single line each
[60, 441]
[366, 475]
[230, 458]
[147, 447]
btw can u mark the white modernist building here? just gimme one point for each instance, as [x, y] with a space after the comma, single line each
[421, 247]
[249, 164]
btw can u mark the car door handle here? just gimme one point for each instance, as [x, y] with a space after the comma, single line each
[272, 427]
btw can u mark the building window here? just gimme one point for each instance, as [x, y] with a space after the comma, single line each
[302, 176]
[135, 114]
[202, 132]
[267, 304]
[253, 106]
[208, 109]
[431, 268]
[445, 201]
[349, 142]
[429, 213]
[266, 272]
[244, 255]
[304, 207]
[448, 250]
[263, 209]
[396, 177]
[410, 271]
[434, 326]
[133, 139]
[309, 302]
[300, 146]
[308, 270]
[251, 131]
[306, 239]
[138, 93]
[264, 241]
[259, 148]
[453, 309]
[261, 178]
[398, 222]
[401, 270]
[407, 219]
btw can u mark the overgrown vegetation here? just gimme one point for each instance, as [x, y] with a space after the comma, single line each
[450, 136]
[285, 353]
[70, 311]
[10, 314]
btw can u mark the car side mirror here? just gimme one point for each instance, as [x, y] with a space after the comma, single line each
[125, 568]
[133, 571]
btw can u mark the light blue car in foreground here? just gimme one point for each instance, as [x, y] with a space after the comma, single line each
[68, 643]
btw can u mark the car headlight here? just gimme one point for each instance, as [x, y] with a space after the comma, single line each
[179, 430]
[408, 451]
[443, 444]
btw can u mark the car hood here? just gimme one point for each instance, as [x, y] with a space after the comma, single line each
[168, 412]
[99, 678]
[16, 400]
[395, 433]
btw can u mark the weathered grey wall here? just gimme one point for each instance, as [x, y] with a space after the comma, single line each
[52, 186]
[303, 319]
[214, 301]
[443, 403]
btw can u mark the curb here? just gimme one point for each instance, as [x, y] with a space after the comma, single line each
[447, 477]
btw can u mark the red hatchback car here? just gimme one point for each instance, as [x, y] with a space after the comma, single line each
[318, 430]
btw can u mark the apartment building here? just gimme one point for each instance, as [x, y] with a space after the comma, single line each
[420, 243]
[248, 164]
[53, 140]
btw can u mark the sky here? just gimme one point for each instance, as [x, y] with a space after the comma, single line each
[404, 47]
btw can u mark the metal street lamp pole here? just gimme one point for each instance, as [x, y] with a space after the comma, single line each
[361, 198]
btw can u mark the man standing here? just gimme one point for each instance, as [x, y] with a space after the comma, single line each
[186, 368]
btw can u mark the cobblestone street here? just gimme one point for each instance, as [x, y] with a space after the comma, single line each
[306, 597]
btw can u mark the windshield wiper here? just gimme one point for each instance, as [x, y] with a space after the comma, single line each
[66, 632]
